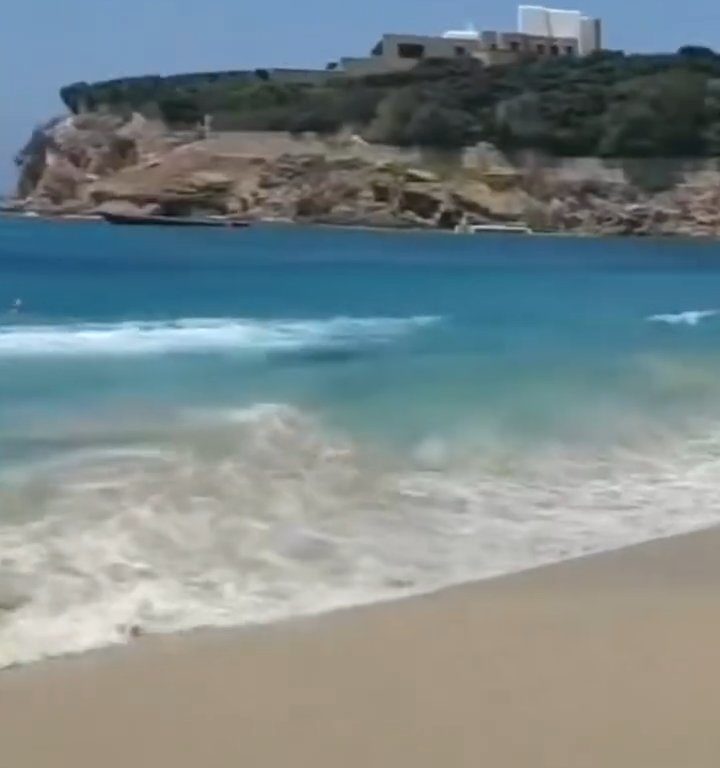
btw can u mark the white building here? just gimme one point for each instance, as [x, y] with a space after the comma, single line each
[590, 39]
[548, 22]
[556, 23]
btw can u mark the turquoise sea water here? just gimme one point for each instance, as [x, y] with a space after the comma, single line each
[220, 427]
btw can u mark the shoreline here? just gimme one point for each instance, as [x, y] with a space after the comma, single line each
[607, 659]
[138, 639]
[409, 228]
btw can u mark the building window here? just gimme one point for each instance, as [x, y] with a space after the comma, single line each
[410, 51]
[541, 48]
[460, 50]
[569, 50]
[493, 46]
[514, 45]
[554, 50]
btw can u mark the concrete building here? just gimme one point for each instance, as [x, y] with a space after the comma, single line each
[507, 47]
[590, 35]
[395, 53]
[548, 22]
[541, 32]
[539, 21]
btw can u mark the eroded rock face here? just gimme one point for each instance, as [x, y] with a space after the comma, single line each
[31, 160]
[126, 208]
[176, 194]
[98, 162]
[65, 155]
[423, 203]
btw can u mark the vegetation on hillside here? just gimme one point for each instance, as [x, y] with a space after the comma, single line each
[607, 104]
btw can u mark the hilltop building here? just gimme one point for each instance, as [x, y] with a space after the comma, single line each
[541, 32]
[555, 23]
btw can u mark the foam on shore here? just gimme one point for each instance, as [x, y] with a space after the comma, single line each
[265, 514]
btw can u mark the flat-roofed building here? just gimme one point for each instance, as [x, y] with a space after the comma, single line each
[506, 47]
[396, 52]
[541, 32]
[590, 35]
[540, 21]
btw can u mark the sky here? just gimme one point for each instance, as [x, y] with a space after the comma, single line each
[45, 44]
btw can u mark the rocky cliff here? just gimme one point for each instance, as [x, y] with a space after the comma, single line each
[90, 163]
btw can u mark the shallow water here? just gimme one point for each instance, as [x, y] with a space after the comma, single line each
[214, 428]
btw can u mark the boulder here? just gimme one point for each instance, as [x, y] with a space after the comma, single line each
[421, 202]
[127, 208]
[313, 205]
[421, 176]
[381, 191]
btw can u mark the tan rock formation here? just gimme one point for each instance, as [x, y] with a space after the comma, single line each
[94, 163]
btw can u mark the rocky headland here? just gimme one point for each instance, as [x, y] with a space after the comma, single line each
[91, 163]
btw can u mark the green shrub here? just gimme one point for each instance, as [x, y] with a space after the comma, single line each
[606, 104]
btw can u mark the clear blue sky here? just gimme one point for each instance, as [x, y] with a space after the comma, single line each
[45, 44]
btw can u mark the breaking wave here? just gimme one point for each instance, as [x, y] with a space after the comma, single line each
[193, 336]
[271, 515]
[690, 317]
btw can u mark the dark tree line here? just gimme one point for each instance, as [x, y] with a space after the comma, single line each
[608, 104]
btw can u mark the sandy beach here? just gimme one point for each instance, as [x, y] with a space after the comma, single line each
[611, 660]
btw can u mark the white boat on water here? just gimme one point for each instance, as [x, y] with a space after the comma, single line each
[482, 229]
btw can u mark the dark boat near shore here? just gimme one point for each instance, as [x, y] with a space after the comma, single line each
[171, 221]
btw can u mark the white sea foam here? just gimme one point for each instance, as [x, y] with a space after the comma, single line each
[204, 336]
[691, 317]
[281, 518]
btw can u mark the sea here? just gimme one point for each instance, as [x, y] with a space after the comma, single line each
[213, 428]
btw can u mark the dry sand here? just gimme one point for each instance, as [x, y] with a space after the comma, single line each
[610, 661]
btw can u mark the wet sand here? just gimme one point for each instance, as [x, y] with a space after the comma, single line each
[609, 661]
